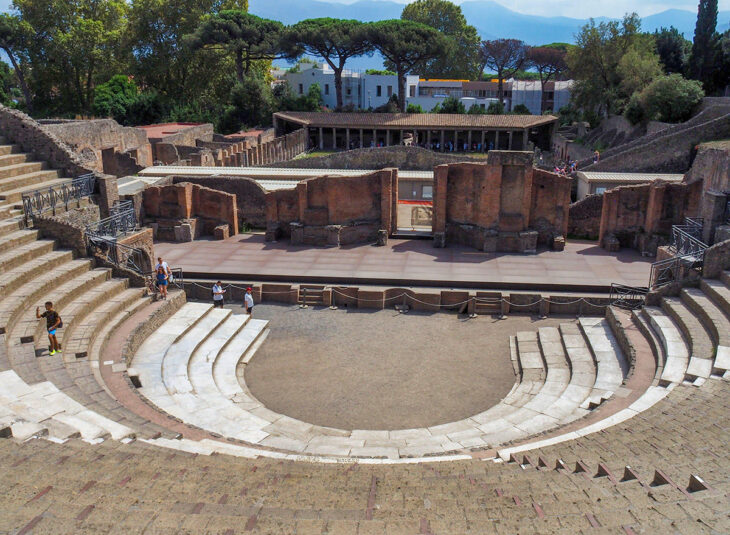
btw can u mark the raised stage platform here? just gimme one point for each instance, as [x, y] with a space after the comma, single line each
[583, 266]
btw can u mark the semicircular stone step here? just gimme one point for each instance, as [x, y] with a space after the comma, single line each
[701, 347]
[675, 348]
[716, 321]
[611, 364]
[147, 361]
[176, 359]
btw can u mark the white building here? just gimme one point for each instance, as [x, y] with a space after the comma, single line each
[365, 91]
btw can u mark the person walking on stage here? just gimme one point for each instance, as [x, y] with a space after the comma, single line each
[218, 292]
[248, 301]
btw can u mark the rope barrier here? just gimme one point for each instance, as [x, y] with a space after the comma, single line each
[477, 300]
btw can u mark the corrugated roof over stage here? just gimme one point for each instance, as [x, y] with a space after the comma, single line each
[406, 121]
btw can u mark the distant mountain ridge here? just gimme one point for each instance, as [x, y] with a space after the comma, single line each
[492, 20]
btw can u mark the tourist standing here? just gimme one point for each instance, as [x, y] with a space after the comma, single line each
[53, 322]
[596, 156]
[248, 301]
[162, 281]
[218, 292]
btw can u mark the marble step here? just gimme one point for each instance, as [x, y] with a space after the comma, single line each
[177, 358]
[700, 344]
[43, 401]
[657, 348]
[224, 367]
[716, 322]
[147, 362]
[675, 347]
[13, 158]
[611, 363]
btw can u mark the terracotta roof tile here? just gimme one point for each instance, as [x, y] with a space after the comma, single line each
[414, 120]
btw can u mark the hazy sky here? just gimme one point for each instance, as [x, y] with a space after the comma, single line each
[586, 8]
[568, 8]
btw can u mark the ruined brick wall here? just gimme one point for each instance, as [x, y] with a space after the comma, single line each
[584, 218]
[550, 205]
[404, 158]
[188, 136]
[332, 210]
[637, 215]
[492, 206]
[92, 138]
[712, 166]
[250, 196]
[169, 205]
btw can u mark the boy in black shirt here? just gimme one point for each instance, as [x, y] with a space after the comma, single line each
[53, 322]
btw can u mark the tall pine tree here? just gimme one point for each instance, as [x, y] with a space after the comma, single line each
[704, 46]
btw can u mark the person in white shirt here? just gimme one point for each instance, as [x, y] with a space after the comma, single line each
[162, 264]
[218, 292]
[248, 301]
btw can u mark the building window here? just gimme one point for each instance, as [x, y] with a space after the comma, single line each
[427, 192]
[600, 190]
[349, 91]
[390, 90]
[412, 91]
[301, 89]
[326, 89]
[379, 91]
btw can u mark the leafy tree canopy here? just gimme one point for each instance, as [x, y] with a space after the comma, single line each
[460, 60]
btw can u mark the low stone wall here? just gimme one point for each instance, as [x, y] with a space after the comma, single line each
[404, 158]
[69, 228]
[584, 218]
[453, 301]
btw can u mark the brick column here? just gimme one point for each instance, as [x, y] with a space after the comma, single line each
[509, 145]
[496, 140]
[440, 181]
[469, 140]
[321, 138]
[484, 149]
[362, 132]
[347, 139]
[443, 140]
[334, 138]
[387, 138]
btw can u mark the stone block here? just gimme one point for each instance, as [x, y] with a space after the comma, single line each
[439, 240]
[333, 235]
[611, 243]
[221, 232]
[297, 233]
[183, 233]
[722, 233]
[382, 237]
[558, 243]
[529, 241]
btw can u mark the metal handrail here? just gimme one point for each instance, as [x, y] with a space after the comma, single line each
[685, 243]
[628, 297]
[119, 223]
[121, 206]
[42, 200]
[676, 268]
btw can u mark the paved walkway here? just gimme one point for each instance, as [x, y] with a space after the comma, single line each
[583, 266]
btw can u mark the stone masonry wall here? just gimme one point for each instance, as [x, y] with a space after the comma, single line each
[642, 216]
[69, 228]
[492, 206]
[250, 196]
[584, 218]
[404, 158]
[331, 210]
[550, 205]
[170, 206]
[23, 130]
[717, 260]
[91, 138]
